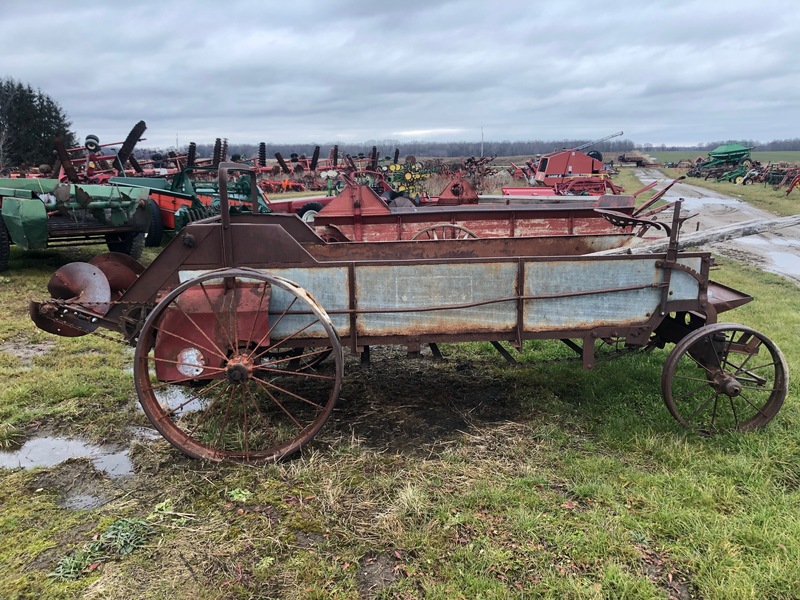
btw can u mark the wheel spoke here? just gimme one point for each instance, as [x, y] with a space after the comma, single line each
[215, 348]
[760, 388]
[258, 311]
[714, 414]
[175, 382]
[701, 365]
[295, 373]
[185, 364]
[691, 392]
[245, 429]
[294, 357]
[194, 398]
[224, 425]
[225, 331]
[279, 404]
[754, 406]
[733, 410]
[257, 357]
[275, 324]
[257, 407]
[269, 384]
[702, 408]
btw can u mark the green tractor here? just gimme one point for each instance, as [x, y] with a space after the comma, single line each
[45, 213]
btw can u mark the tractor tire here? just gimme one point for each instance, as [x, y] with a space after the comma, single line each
[598, 156]
[155, 233]
[129, 144]
[308, 211]
[5, 246]
[66, 161]
[130, 243]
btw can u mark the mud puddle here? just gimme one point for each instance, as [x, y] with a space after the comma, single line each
[49, 451]
[26, 352]
[780, 255]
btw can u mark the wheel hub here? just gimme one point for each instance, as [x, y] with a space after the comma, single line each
[238, 370]
[727, 384]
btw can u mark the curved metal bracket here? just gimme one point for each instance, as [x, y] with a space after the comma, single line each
[622, 220]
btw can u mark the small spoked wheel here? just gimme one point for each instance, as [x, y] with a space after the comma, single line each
[446, 231]
[724, 377]
[227, 367]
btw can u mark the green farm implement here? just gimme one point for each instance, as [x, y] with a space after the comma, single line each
[43, 213]
[723, 159]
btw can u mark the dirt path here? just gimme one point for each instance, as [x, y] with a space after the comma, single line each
[776, 252]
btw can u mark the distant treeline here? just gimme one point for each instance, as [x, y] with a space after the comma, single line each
[773, 146]
[386, 148]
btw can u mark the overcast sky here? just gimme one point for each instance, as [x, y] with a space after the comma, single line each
[674, 72]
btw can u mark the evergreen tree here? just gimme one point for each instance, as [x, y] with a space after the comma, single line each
[29, 122]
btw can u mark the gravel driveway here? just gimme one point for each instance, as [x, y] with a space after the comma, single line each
[777, 252]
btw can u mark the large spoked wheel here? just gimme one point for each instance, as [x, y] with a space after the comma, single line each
[724, 377]
[446, 231]
[223, 367]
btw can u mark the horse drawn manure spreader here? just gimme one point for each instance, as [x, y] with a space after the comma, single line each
[239, 324]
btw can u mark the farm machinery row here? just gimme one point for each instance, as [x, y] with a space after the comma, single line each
[734, 163]
[240, 324]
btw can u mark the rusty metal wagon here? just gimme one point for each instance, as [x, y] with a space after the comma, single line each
[239, 325]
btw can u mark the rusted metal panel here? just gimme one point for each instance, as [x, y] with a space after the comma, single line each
[584, 294]
[327, 285]
[512, 224]
[436, 285]
[358, 214]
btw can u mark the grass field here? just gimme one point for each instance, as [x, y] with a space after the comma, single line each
[467, 478]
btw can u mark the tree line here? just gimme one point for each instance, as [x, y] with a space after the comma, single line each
[29, 122]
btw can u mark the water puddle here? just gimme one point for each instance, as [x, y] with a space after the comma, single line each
[775, 241]
[49, 451]
[778, 255]
[785, 263]
[181, 400]
[690, 203]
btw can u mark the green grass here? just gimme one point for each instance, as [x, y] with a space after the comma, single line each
[555, 482]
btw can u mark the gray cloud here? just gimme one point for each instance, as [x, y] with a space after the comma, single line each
[303, 71]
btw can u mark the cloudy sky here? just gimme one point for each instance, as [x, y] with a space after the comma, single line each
[671, 71]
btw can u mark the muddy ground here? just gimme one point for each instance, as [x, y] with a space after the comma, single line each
[776, 252]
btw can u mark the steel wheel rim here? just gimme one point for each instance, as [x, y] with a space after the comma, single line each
[724, 377]
[250, 407]
[444, 232]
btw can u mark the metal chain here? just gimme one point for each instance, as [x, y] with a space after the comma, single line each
[96, 331]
